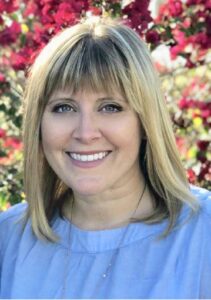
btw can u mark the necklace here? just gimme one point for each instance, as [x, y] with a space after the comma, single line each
[113, 256]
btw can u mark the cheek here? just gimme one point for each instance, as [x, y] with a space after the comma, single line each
[48, 137]
[132, 139]
[130, 133]
[53, 134]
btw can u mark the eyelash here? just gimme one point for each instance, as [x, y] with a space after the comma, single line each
[115, 108]
[105, 108]
[57, 107]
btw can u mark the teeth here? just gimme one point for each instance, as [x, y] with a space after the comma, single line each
[96, 157]
[90, 157]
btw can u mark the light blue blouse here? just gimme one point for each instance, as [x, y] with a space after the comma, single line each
[178, 266]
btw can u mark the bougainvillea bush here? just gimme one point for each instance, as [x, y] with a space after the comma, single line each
[183, 26]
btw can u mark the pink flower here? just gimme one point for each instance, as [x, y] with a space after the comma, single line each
[41, 35]
[179, 36]
[8, 6]
[186, 23]
[1, 20]
[206, 113]
[163, 12]
[47, 14]
[138, 15]
[205, 169]
[152, 37]
[2, 133]
[202, 39]
[203, 145]
[18, 60]
[65, 18]
[2, 78]
[96, 11]
[12, 142]
[204, 105]
[191, 176]
[183, 103]
[141, 6]
[175, 8]
[10, 34]
[189, 64]
[78, 6]
[31, 9]
[208, 4]
[201, 14]
[176, 50]
[208, 23]
[194, 2]
[67, 14]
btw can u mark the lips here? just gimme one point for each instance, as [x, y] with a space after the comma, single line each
[91, 157]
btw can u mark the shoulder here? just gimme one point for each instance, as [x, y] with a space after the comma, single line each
[203, 197]
[11, 222]
[197, 223]
[12, 214]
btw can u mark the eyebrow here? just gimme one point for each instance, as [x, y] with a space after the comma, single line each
[73, 100]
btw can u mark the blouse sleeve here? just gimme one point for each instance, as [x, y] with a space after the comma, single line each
[10, 226]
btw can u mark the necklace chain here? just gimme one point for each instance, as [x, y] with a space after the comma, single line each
[112, 259]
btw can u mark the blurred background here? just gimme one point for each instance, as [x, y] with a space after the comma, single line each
[178, 34]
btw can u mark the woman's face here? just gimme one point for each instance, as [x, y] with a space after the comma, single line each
[91, 140]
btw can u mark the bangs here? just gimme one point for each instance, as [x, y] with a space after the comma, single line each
[94, 64]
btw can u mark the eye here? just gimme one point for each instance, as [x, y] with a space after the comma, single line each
[111, 108]
[60, 108]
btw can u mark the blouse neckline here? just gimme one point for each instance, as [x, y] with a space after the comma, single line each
[94, 241]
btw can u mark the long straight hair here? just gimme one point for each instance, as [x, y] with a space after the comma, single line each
[101, 55]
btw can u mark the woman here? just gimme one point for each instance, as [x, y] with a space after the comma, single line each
[110, 213]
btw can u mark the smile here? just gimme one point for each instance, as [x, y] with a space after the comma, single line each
[89, 157]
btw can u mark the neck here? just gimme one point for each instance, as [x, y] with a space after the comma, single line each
[111, 209]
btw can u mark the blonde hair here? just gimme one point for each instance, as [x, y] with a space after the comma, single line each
[102, 55]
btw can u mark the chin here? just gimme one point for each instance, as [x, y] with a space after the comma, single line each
[87, 188]
[87, 191]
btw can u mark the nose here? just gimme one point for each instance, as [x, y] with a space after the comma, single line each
[87, 128]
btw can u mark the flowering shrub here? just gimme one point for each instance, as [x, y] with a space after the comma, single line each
[186, 27]
[183, 26]
[11, 186]
[41, 19]
[192, 122]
